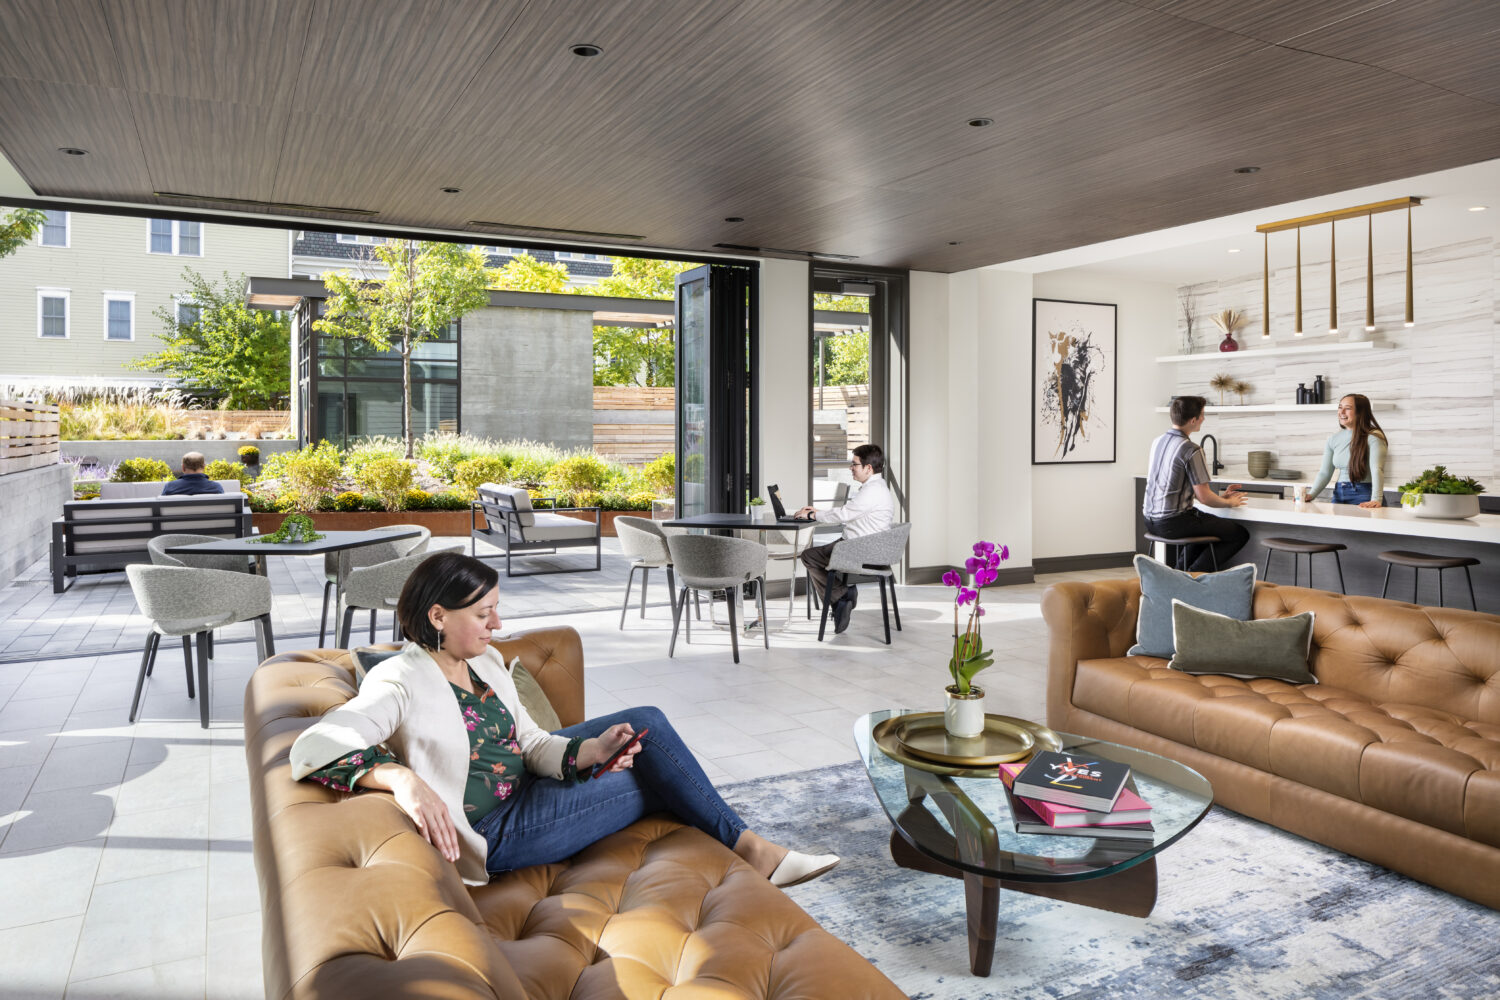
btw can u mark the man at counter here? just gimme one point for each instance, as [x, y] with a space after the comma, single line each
[1178, 476]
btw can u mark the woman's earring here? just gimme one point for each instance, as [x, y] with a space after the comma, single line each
[440, 638]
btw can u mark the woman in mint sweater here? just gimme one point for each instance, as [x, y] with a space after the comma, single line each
[1357, 452]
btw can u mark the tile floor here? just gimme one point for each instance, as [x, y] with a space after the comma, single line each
[125, 861]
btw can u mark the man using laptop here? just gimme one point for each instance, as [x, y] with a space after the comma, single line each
[872, 509]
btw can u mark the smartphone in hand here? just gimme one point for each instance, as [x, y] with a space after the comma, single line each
[602, 768]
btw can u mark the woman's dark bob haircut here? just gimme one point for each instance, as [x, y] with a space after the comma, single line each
[451, 579]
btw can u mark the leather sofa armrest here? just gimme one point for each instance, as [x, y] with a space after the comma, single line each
[554, 656]
[1086, 621]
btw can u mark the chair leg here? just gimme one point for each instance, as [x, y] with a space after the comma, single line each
[672, 590]
[1471, 589]
[827, 603]
[1440, 586]
[210, 644]
[187, 660]
[645, 581]
[1265, 573]
[885, 611]
[625, 604]
[372, 626]
[148, 657]
[346, 627]
[895, 608]
[688, 618]
[678, 606]
[760, 604]
[734, 629]
[698, 608]
[269, 636]
[1337, 562]
[203, 697]
[1384, 586]
[323, 619]
[1416, 581]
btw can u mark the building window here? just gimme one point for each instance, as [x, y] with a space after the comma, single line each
[54, 229]
[188, 313]
[119, 315]
[52, 313]
[359, 238]
[182, 238]
[570, 255]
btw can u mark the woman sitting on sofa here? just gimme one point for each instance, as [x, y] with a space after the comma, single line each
[441, 726]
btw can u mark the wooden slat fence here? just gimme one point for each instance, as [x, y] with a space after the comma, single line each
[627, 397]
[28, 436]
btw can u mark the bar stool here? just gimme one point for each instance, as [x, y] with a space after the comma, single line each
[1419, 561]
[1296, 546]
[1178, 544]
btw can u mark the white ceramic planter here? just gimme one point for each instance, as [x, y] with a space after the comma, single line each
[1447, 505]
[963, 714]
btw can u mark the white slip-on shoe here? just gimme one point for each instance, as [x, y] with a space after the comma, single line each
[797, 868]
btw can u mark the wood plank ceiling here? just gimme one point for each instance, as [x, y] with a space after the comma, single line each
[836, 126]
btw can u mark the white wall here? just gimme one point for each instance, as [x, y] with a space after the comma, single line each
[1088, 509]
[784, 378]
[929, 469]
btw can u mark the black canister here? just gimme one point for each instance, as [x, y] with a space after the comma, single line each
[1301, 393]
[1318, 390]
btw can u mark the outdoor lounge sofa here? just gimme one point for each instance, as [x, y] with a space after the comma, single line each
[105, 536]
[1393, 756]
[355, 903]
[505, 517]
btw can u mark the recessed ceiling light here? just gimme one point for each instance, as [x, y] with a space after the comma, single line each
[1247, 170]
[586, 49]
[953, 243]
[72, 151]
[1234, 249]
[980, 122]
[1478, 208]
[450, 190]
[734, 218]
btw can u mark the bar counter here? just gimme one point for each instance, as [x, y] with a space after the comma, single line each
[1367, 532]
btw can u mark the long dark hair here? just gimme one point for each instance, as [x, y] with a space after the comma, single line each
[1360, 429]
[451, 579]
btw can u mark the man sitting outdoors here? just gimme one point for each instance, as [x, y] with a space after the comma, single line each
[193, 479]
[871, 510]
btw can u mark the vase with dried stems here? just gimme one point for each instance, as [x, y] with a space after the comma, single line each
[1223, 383]
[1228, 321]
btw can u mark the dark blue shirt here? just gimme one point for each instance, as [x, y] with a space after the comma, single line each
[190, 483]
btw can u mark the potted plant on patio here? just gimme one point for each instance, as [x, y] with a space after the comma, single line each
[1438, 493]
[963, 712]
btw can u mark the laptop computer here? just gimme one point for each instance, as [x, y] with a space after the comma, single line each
[780, 508]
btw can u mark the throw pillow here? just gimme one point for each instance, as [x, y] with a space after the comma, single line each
[533, 698]
[1230, 592]
[1276, 648]
[367, 658]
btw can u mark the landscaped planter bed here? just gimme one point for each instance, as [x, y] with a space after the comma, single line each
[446, 523]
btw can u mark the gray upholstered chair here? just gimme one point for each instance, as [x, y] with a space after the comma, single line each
[366, 555]
[377, 588]
[157, 549]
[645, 544]
[716, 563]
[188, 601]
[869, 557]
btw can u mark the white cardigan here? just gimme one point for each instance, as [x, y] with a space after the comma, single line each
[407, 704]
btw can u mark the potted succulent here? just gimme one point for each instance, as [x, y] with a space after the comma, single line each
[757, 509]
[963, 712]
[1437, 493]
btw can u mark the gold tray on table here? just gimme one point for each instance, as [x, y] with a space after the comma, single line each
[919, 740]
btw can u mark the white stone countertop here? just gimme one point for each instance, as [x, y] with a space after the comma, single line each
[1481, 528]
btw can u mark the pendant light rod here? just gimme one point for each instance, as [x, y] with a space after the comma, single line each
[1374, 208]
[1409, 318]
[1265, 290]
[1333, 281]
[1370, 273]
[1297, 319]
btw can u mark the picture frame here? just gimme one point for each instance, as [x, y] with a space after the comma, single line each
[1074, 382]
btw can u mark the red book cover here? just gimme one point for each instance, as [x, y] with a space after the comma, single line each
[1129, 807]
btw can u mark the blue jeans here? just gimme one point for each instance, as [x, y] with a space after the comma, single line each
[1351, 492]
[547, 820]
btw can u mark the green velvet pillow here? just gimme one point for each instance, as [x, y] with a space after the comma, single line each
[1229, 592]
[1274, 648]
[533, 698]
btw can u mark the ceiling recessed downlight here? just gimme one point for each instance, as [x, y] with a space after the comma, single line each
[1234, 249]
[1247, 170]
[586, 50]
[1478, 208]
[980, 122]
[72, 151]
[734, 218]
[450, 190]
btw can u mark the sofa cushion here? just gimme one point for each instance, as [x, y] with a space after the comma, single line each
[509, 498]
[1209, 643]
[1228, 593]
[557, 527]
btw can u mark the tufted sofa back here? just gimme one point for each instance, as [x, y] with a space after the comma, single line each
[1446, 659]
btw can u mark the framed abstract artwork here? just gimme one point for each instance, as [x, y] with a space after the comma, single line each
[1074, 379]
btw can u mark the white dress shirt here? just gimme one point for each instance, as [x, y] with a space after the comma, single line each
[870, 510]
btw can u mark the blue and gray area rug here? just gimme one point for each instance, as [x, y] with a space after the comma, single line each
[1244, 912]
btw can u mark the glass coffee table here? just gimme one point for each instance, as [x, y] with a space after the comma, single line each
[957, 822]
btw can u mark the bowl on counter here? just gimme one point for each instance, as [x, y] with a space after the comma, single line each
[1447, 506]
[1284, 473]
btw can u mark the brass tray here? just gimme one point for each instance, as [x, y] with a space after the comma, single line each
[886, 738]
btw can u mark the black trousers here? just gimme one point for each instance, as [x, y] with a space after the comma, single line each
[815, 558]
[1199, 558]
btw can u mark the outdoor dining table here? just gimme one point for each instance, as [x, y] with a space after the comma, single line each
[725, 523]
[342, 542]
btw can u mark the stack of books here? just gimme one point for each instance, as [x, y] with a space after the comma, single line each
[1068, 795]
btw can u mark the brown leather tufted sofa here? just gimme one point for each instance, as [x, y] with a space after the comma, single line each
[356, 904]
[1394, 756]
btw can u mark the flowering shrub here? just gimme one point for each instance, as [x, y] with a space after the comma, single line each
[141, 470]
[309, 478]
[348, 501]
[468, 475]
[249, 454]
[220, 469]
[969, 655]
[390, 479]
[418, 500]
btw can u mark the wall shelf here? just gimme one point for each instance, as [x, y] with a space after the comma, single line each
[1271, 352]
[1281, 408]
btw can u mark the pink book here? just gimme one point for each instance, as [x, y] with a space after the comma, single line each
[1129, 807]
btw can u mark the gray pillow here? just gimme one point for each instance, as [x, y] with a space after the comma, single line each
[533, 698]
[1230, 592]
[1276, 648]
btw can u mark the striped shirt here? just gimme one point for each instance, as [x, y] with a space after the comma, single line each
[1176, 467]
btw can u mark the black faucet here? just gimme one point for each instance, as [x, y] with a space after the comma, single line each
[1215, 466]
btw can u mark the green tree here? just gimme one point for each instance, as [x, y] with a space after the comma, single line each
[637, 278]
[848, 359]
[427, 287]
[841, 303]
[241, 354]
[18, 228]
[524, 273]
[642, 356]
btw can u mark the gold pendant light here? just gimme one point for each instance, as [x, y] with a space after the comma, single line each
[1370, 274]
[1265, 290]
[1297, 319]
[1410, 321]
[1333, 281]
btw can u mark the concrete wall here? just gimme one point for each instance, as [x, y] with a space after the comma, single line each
[171, 452]
[529, 374]
[28, 502]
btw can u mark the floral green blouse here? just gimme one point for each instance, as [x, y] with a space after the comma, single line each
[495, 764]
